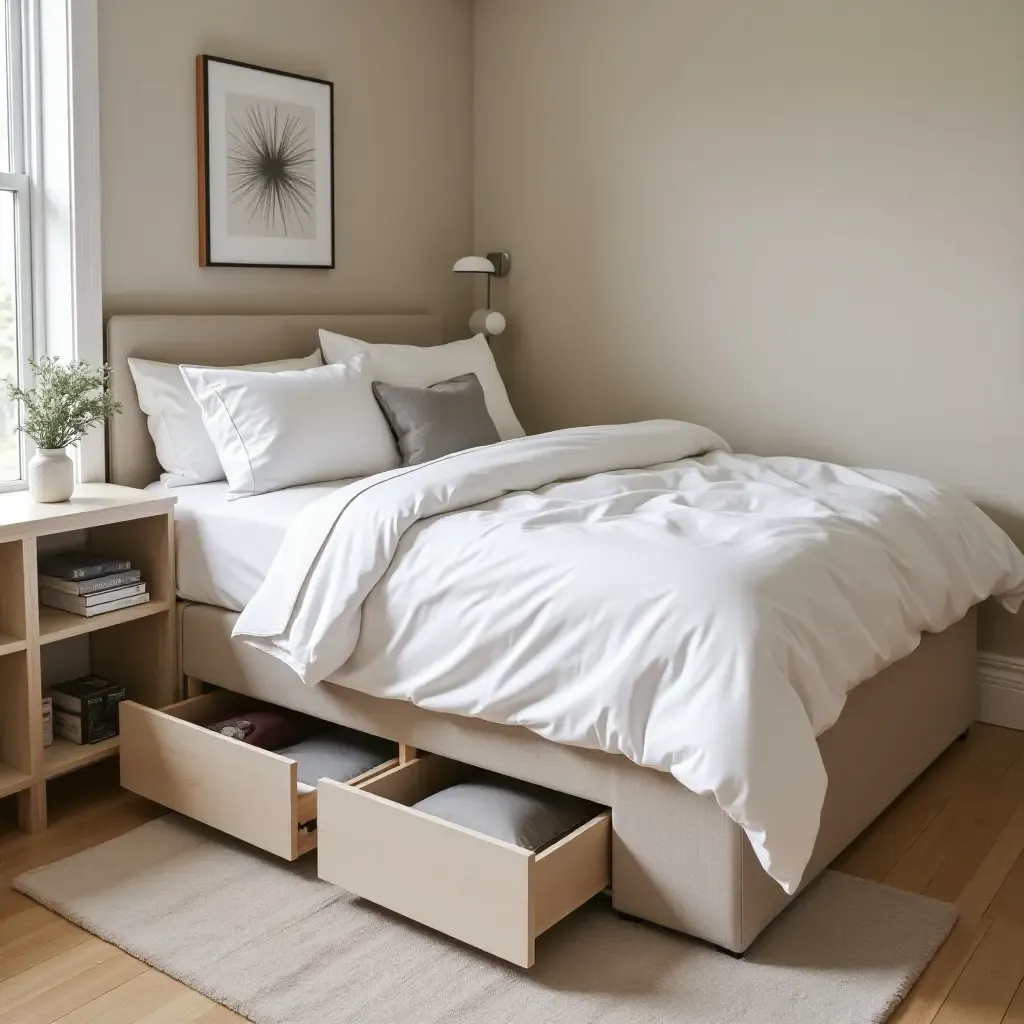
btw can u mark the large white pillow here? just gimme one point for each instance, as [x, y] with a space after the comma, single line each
[183, 448]
[276, 430]
[416, 366]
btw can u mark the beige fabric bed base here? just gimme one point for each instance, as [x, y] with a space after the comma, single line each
[677, 860]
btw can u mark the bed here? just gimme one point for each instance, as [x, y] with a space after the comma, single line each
[677, 859]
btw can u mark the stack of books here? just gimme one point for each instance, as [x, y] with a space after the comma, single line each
[85, 584]
[85, 710]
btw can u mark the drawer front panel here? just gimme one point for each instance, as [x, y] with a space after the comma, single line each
[469, 886]
[240, 789]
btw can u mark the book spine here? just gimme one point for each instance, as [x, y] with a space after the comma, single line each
[47, 722]
[67, 702]
[78, 606]
[106, 596]
[67, 726]
[84, 587]
[71, 603]
[102, 583]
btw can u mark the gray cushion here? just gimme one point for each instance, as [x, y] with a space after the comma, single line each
[339, 754]
[515, 812]
[435, 421]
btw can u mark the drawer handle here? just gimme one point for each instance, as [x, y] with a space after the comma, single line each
[308, 827]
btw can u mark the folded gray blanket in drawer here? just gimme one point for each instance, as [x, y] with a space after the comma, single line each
[339, 754]
[506, 809]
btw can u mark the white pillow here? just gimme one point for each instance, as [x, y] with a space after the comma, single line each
[416, 366]
[276, 430]
[183, 448]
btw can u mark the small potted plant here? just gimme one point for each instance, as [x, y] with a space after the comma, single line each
[65, 403]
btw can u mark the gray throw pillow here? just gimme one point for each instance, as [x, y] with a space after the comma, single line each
[339, 753]
[435, 421]
[515, 812]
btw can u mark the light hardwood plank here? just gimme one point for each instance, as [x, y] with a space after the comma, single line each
[992, 875]
[60, 999]
[984, 990]
[968, 848]
[1008, 903]
[31, 983]
[127, 1003]
[927, 996]
[925, 857]
[23, 922]
[1015, 1013]
[31, 945]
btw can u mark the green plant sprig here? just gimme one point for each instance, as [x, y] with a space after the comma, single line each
[66, 401]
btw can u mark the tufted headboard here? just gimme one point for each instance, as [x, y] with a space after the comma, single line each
[223, 340]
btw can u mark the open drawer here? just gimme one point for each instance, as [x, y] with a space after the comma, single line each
[488, 893]
[250, 793]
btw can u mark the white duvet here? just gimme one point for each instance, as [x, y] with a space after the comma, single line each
[636, 589]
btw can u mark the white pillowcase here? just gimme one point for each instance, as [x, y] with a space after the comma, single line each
[415, 366]
[276, 430]
[183, 448]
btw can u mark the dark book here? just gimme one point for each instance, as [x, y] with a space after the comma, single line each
[80, 588]
[80, 565]
[85, 710]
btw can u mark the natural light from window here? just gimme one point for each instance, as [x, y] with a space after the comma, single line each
[12, 192]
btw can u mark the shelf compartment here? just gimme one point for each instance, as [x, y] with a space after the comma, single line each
[64, 756]
[12, 597]
[13, 781]
[10, 644]
[16, 718]
[56, 624]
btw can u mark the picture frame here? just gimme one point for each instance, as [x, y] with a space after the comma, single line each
[265, 146]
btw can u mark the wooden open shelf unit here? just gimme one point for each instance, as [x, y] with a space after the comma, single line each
[134, 646]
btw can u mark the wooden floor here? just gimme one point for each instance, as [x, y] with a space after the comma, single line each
[957, 834]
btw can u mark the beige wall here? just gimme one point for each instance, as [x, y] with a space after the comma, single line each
[402, 76]
[798, 222]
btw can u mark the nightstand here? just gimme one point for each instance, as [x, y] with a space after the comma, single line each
[133, 646]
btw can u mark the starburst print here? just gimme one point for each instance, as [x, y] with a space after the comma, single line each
[270, 163]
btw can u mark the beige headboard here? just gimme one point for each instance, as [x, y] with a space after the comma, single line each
[224, 340]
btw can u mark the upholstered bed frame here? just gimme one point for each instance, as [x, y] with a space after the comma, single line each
[677, 860]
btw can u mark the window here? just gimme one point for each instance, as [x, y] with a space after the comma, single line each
[15, 264]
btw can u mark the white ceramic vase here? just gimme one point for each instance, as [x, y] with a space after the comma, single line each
[51, 475]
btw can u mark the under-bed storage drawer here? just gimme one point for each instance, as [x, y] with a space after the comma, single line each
[241, 789]
[488, 893]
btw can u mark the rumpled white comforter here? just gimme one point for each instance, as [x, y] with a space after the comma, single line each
[704, 616]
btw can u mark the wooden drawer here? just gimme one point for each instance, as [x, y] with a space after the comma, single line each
[248, 792]
[488, 893]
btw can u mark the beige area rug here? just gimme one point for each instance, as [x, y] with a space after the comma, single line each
[270, 940]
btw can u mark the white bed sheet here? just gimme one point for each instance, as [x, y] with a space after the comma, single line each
[225, 548]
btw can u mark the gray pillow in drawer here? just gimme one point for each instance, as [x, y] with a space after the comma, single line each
[339, 754]
[515, 812]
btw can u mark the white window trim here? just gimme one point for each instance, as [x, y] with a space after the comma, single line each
[62, 150]
[20, 185]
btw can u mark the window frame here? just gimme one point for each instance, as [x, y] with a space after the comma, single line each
[19, 183]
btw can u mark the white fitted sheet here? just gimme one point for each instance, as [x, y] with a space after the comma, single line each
[224, 548]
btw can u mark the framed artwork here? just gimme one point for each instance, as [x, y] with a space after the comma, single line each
[266, 166]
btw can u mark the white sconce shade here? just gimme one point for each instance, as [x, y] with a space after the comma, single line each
[474, 265]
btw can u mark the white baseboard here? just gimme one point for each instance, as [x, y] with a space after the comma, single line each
[1001, 690]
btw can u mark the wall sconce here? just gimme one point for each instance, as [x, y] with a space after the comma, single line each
[495, 264]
